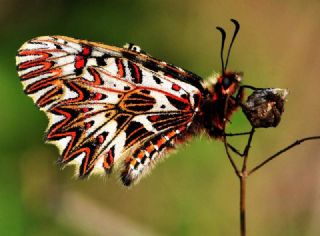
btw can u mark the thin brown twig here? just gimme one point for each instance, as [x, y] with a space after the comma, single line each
[243, 185]
[246, 150]
[242, 175]
[243, 188]
[254, 169]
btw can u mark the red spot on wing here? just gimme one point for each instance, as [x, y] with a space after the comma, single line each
[171, 134]
[161, 141]
[81, 59]
[88, 125]
[80, 62]
[100, 138]
[86, 51]
[97, 96]
[150, 148]
[137, 74]
[168, 75]
[109, 159]
[120, 73]
[154, 118]
[141, 154]
[176, 87]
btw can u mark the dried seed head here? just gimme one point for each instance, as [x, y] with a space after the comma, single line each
[264, 107]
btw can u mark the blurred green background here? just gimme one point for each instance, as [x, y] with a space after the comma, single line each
[195, 191]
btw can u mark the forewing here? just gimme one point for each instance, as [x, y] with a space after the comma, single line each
[103, 102]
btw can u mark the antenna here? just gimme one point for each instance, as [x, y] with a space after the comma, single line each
[223, 39]
[236, 30]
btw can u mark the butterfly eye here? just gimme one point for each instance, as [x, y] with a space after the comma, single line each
[226, 82]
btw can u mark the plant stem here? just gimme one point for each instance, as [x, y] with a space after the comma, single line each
[282, 151]
[243, 223]
[243, 185]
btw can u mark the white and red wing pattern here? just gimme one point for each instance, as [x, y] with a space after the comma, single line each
[107, 106]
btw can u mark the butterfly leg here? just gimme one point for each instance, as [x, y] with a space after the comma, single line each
[237, 134]
[247, 147]
[235, 150]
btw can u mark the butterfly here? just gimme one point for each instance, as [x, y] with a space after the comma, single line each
[120, 110]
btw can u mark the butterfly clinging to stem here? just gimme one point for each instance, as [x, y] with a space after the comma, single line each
[118, 110]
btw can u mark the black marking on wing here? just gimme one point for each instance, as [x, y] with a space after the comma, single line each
[157, 79]
[101, 60]
[155, 65]
[178, 104]
[135, 132]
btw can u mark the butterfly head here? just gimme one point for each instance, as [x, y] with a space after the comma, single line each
[228, 83]
[224, 93]
[223, 85]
